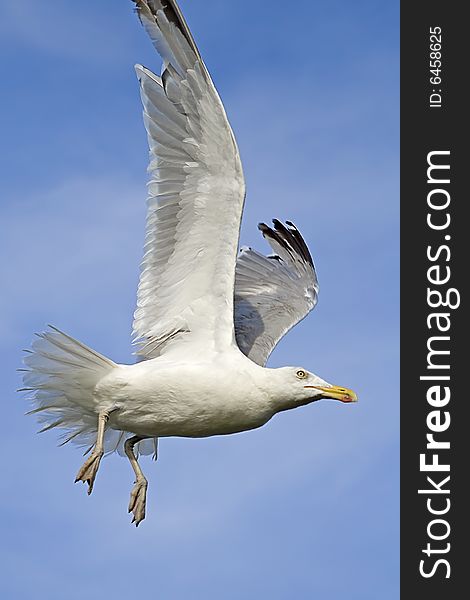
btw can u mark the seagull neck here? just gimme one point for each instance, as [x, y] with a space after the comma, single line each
[275, 391]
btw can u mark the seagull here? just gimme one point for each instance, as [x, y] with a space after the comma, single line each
[208, 316]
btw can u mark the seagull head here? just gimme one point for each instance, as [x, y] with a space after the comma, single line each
[300, 387]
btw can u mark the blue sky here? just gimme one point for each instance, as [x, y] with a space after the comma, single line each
[306, 507]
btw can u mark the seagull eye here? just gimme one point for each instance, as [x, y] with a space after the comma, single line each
[301, 374]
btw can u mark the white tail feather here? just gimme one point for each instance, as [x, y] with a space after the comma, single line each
[61, 375]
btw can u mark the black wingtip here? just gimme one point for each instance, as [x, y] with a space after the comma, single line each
[282, 229]
[172, 13]
[263, 227]
[305, 252]
[288, 237]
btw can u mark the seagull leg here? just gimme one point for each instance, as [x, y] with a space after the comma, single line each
[90, 467]
[139, 491]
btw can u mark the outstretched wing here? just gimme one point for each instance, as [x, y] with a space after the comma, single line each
[273, 293]
[196, 194]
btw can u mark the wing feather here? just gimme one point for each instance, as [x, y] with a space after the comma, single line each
[195, 194]
[273, 293]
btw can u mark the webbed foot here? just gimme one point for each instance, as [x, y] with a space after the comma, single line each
[89, 470]
[138, 500]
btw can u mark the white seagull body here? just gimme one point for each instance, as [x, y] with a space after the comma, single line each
[206, 319]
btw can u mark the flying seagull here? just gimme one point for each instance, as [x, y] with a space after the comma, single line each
[207, 316]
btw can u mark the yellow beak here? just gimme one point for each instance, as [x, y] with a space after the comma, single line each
[336, 392]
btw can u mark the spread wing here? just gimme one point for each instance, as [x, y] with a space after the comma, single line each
[196, 194]
[273, 293]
